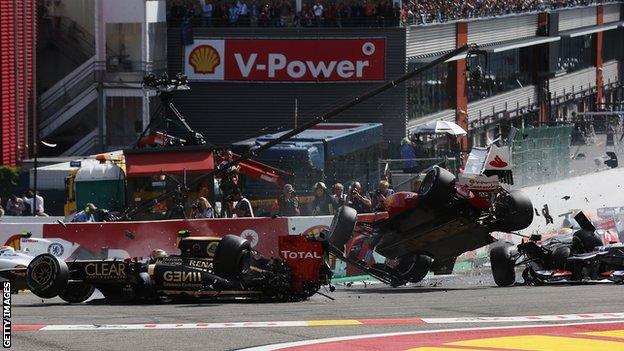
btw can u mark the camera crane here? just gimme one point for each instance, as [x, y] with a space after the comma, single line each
[165, 86]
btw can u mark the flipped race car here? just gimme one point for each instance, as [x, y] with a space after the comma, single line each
[207, 267]
[426, 230]
[580, 257]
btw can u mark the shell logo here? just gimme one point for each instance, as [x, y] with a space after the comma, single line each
[204, 59]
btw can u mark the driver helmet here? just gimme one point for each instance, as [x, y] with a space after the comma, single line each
[157, 253]
[90, 208]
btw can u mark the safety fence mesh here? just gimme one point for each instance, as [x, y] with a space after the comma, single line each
[541, 155]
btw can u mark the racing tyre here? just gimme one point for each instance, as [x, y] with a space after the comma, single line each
[414, 268]
[77, 292]
[342, 227]
[503, 264]
[232, 257]
[560, 257]
[47, 276]
[437, 188]
[513, 211]
[586, 240]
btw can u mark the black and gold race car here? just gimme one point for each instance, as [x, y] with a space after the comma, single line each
[207, 267]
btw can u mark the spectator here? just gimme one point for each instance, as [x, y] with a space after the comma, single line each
[220, 14]
[318, 13]
[37, 208]
[243, 206]
[339, 195]
[380, 196]
[370, 11]
[288, 203]
[206, 12]
[86, 215]
[233, 15]
[361, 203]
[254, 13]
[202, 209]
[323, 203]
[285, 14]
[15, 206]
[243, 13]
[186, 32]
[409, 155]
[229, 179]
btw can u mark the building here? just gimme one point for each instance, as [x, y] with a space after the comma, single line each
[17, 86]
[93, 55]
[538, 67]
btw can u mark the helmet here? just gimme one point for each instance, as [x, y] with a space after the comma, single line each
[157, 253]
[90, 208]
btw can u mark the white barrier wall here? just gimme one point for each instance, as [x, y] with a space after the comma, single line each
[591, 191]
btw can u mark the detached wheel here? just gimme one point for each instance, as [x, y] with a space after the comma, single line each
[232, 257]
[503, 264]
[437, 188]
[513, 211]
[414, 268]
[47, 276]
[342, 227]
[77, 292]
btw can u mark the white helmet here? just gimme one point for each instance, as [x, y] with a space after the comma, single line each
[157, 253]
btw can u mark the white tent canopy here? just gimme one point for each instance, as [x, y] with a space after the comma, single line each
[435, 127]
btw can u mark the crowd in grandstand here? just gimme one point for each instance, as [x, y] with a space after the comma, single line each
[348, 13]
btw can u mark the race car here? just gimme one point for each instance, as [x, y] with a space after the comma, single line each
[427, 229]
[580, 257]
[22, 248]
[207, 267]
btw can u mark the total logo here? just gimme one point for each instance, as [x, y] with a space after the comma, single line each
[300, 254]
[286, 59]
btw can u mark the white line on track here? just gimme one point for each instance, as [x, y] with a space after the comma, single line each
[324, 323]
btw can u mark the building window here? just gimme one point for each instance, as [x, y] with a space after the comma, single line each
[427, 93]
[157, 46]
[575, 53]
[124, 47]
[504, 71]
[612, 45]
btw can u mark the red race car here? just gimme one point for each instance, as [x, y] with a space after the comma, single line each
[446, 216]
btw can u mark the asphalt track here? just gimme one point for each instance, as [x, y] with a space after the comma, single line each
[383, 310]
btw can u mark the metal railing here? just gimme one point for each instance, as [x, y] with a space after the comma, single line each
[56, 99]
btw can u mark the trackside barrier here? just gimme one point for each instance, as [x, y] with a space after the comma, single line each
[140, 238]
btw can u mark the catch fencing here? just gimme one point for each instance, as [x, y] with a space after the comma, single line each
[541, 155]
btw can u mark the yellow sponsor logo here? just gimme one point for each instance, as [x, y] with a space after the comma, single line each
[204, 59]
